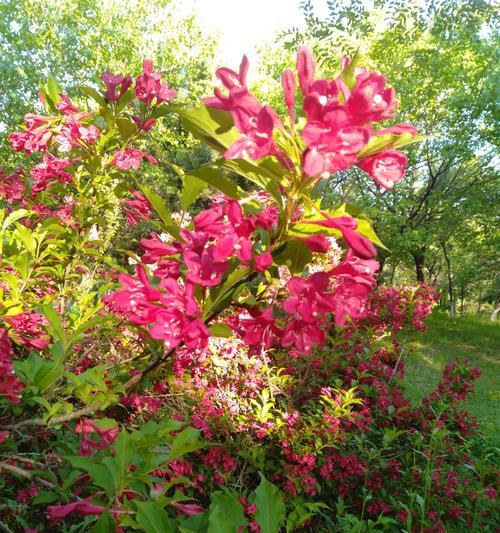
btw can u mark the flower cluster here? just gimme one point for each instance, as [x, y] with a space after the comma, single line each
[10, 386]
[339, 121]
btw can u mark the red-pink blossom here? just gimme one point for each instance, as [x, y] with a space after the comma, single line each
[137, 208]
[370, 99]
[188, 509]
[88, 428]
[116, 85]
[306, 66]
[131, 158]
[386, 168]
[262, 262]
[51, 170]
[149, 87]
[27, 329]
[56, 513]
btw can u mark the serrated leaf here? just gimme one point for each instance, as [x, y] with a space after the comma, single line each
[186, 441]
[153, 518]
[225, 514]
[191, 189]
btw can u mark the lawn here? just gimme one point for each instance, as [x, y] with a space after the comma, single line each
[468, 337]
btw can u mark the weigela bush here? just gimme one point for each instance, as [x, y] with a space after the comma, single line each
[246, 375]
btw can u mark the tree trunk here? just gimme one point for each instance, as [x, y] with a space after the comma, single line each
[451, 292]
[418, 257]
[462, 290]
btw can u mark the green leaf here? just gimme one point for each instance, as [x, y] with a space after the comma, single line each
[210, 125]
[124, 450]
[191, 190]
[298, 256]
[153, 518]
[378, 143]
[105, 524]
[220, 330]
[54, 320]
[159, 205]
[186, 441]
[92, 93]
[213, 176]
[270, 512]
[14, 216]
[46, 496]
[53, 89]
[225, 514]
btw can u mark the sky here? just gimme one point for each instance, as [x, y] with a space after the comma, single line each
[242, 24]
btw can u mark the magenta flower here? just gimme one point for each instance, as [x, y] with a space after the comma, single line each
[370, 100]
[309, 298]
[56, 513]
[28, 329]
[149, 88]
[303, 336]
[262, 262]
[131, 158]
[360, 245]
[289, 85]
[256, 140]
[385, 168]
[137, 208]
[51, 170]
[10, 386]
[260, 331]
[188, 509]
[112, 83]
[306, 66]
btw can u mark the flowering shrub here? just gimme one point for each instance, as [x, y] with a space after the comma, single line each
[249, 359]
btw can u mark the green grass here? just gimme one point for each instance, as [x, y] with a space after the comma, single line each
[468, 337]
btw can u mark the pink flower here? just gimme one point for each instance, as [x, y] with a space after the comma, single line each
[155, 250]
[137, 208]
[256, 140]
[188, 509]
[316, 243]
[65, 105]
[28, 329]
[56, 513]
[36, 138]
[51, 170]
[262, 262]
[302, 336]
[238, 94]
[131, 158]
[3, 436]
[309, 298]
[12, 187]
[254, 121]
[306, 66]
[333, 144]
[288, 83]
[370, 100]
[112, 82]
[261, 330]
[360, 245]
[149, 88]
[385, 168]
[105, 436]
[74, 134]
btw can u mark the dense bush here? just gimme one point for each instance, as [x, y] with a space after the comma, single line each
[248, 374]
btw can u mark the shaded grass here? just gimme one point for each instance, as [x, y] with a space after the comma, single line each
[468, 337]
